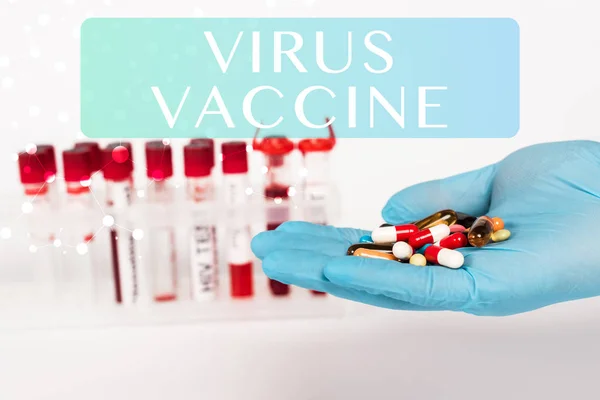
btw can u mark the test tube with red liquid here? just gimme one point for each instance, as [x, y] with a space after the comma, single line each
[162, 244]
[78, 269]
[235, 184]
[128, 276]
[199, 160]
[277, 171]
[316, 186]
[37, 208]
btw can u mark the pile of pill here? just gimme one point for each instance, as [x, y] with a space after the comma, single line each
[432, 240]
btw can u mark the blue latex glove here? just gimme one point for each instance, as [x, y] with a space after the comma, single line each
[549, 198]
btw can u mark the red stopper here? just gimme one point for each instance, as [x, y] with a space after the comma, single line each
[77, 164]
[198, 159]
[50, 158]
[318, 144]
[31, 168]
[206, 142]
[159, 160]
[275, 145]
[117, 170]
[235, 158]
[95, 154]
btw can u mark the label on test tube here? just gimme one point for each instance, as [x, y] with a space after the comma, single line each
[131, 281]
[203, 263]
[234, 189]
[162, 244]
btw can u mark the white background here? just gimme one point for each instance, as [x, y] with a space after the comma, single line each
[548, 354]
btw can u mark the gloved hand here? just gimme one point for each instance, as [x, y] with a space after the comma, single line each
[547, 194]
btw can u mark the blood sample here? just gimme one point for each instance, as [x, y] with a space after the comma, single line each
[130, 285]
[316, 187]
[276, 150]
[235, 184]
[481, 231]
[199, 159]
[391, 234]
[79, 267]
[444, 257]
[402, 251]
[162, 244]
[454, 241]
[446, 217]
[37, 208]
[428, 236]
[361, 252]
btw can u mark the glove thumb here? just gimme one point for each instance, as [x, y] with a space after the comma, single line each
[469, 193]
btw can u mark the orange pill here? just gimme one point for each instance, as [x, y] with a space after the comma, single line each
[498, 223]
[374, 254]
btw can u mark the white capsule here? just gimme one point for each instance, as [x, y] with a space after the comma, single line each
[445, 257]
[385, 234]
[402, 251]
[439, 232]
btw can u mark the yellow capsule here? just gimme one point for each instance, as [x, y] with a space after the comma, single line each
[374, 254]
[501, 235]
[480, 232]
[418, 260]
[447, 217]
[498, 223]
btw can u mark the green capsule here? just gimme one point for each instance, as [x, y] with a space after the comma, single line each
[501, 235]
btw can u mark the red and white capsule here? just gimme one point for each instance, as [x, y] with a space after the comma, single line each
[391, 234]
[402, 251]
[454, 241]
[428, 236]
[444, 257]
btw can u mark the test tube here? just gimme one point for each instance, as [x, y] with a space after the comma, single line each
[78, 269]
[316, 184]
[235, 185]
[162, 244]
[49, 164]
[199, 160]
[276, 150]
[38, 209]
[95, 160]
[128, 276]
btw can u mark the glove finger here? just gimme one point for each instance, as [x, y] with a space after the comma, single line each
[349, 234]
[305, 269]
[431, 287]
[267, 242]
[469, 192]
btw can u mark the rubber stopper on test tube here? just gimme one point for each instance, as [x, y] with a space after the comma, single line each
[31, 168]
[95, 154]
[209, 143]
[235, 158]
[159, 160]
[318, 144]
[113, 170]
[49, 161]
[198, 159]
[77, 164]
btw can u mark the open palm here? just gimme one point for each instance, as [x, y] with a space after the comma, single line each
[549, 198]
